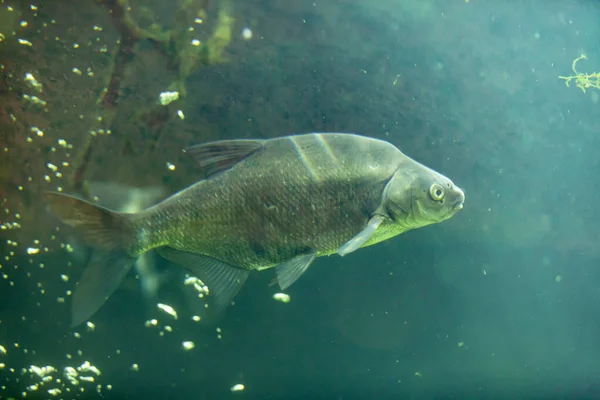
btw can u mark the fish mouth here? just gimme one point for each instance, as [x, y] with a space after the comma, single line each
[460, 201]
[458, 206]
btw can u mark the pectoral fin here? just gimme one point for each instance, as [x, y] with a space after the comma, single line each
[289, 271]
[215, 157]
[223, 280]
[357, 241]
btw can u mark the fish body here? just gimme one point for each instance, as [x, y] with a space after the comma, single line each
[265, 203]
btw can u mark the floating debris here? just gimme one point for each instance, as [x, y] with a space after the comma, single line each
[41, 371]
[168, 309]
[168, 97]
[151, 322]
[188, 345]
[32, 82]
[237, 388]
[282, 297]
[246, 34]
[34, 100]
[200, 287]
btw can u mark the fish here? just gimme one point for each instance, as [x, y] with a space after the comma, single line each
[262, 203]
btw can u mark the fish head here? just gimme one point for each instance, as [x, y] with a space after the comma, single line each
[418, 196]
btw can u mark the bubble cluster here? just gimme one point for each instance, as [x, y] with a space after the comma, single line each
[41, 259]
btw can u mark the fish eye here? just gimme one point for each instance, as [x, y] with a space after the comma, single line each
[436, 192]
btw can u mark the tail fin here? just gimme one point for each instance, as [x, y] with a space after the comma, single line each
[111, 234]
[128, 199]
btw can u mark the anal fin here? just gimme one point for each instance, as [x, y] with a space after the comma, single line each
[362, 237]
[223, 280]
[289, 271]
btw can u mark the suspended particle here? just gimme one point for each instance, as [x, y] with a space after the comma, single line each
[237, 388]
[31, 81]
[246, 34]
[282, 297]
[166, 98]
[151, 322]
[168, 309]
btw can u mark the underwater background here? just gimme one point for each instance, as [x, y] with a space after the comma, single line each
[501, 301]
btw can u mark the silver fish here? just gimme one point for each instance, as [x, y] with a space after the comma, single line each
[264, 203]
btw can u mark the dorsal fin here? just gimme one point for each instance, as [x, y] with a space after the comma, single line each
[215, 157]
